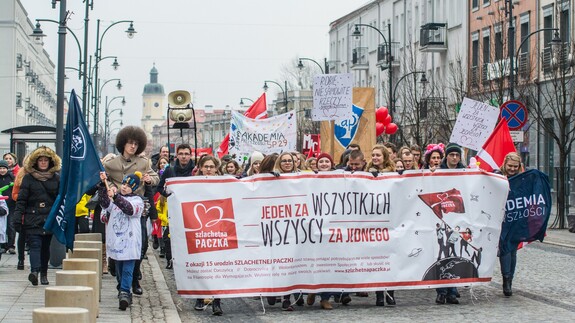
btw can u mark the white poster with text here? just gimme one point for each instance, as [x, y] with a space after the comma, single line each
[332, 97]
[475, 122]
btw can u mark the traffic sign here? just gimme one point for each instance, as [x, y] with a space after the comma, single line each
[515, 113]
[517, 136]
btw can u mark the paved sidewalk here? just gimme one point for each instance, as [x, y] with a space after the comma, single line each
[19, 298]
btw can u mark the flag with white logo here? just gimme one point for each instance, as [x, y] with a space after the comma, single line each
[81, 169]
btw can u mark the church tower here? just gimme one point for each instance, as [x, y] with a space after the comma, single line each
[154, 110]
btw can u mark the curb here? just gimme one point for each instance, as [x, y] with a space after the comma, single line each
[559, 244]
[168, 306]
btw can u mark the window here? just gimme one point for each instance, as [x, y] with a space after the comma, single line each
[475, 4]
[547, 36]
[18, 99]
[486, 48]
[498, 45]
[18, 62]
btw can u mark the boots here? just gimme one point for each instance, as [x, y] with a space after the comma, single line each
[379, 298]
[217, 308]
[44, 279]
[104, 260]
[125, 300]
[33, 278]
[390, 299]
[507, 286]
[112, 267]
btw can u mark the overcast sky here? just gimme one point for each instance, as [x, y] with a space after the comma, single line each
[220, 51]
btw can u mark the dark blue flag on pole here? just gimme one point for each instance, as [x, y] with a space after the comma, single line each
[527, 210]
[81, 169]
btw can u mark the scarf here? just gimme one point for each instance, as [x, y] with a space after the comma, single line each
[42, 176]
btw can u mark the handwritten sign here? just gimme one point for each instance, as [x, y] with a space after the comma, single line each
[271, 135]
[332, 94]
[474, 124]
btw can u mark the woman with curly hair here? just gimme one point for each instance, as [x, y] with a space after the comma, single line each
[380, 160]
[38, 191]
[232, 168]
[433, 156]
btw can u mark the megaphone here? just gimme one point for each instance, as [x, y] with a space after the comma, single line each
[179, 98]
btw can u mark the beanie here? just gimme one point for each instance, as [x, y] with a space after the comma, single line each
[133, 180]
[256, 156]
[4, 164]
[452, 148]
[326, 155]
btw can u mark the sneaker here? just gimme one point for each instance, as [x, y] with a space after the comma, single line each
[156, 243]
[440, 299]
[325, 305]
[199, 306]
[286, 305]
[124, 300]
[345, 300]
[33, 278]
[216, 308]
[310, 299]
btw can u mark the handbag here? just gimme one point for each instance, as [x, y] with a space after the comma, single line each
[93, 202]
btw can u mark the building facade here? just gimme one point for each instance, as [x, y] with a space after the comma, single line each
[154, 104]
[27, 83]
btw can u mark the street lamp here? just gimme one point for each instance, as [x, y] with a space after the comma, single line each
[242, 101]
[323, 69]
[107, 114]
[357, 34]
[98, 57]
[284, 91]
[555, 45]
[423, 81]
[96, 111]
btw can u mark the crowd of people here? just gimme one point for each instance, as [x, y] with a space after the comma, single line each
[132, 197]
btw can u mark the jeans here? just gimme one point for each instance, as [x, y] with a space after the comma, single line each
[508, 262]
[447, 291]
[124, 273]
[39, 245]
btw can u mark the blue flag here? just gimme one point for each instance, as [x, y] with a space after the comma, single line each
[527, 210]
[81, 169]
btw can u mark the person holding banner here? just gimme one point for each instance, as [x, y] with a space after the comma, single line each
[380, 160]
[285, 163]
[209, 166]
[511, 167]
[355, 162]
[433, 156]
[38, 191]
[254, 163]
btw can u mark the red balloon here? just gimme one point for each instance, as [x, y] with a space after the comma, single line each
[391, 128]
[379, 128]
[381, 113]
[387, 120]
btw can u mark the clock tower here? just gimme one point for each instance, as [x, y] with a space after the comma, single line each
[153, 110]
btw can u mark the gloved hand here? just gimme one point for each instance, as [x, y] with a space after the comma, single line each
[276, 174]
[375, 174]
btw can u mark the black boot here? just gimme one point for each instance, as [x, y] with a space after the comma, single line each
[112, 267]
[217, 308]
[379, 298]
[507, 286]
[20, 265]
[136, 288]
[390, 299]
[44, 279]
[33, 278]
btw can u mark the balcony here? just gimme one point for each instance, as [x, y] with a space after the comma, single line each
[359, 59]
[474, 80]
[551, 61]
[433, 37]
[485, 73]
[523, 65]
[382, 56]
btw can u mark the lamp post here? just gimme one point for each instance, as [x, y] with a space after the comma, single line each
[98, 57]
[284, 91]
[107, 114]
[324, 69]
[423, 80]
[357, 33]
[242, 101]
[555, 43]
[96, 112]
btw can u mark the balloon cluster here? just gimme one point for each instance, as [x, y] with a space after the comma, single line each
[383, 122]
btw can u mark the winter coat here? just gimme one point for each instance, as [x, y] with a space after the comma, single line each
[174, 171]
[118, 167]
[36, 197]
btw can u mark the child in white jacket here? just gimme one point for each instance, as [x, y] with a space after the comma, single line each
[123, 231]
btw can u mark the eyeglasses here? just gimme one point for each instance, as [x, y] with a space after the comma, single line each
[208, 166]
[286, 161]
[184, 154]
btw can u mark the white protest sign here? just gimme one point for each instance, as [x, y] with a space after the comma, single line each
[475, 122]
[332, 96]
[271, 135]
[334, 231]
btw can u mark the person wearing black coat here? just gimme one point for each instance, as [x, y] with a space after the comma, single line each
[6, 178]
[37, 194]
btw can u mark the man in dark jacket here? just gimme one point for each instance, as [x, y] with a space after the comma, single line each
[183, 166]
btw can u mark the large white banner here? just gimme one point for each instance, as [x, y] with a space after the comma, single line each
[271, 135]
[474, 124]
[334, 231]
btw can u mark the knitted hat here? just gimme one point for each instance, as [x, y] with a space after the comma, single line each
[452, 148]
[132, 180]
[256, 156]
[4, 164]
[326, 155]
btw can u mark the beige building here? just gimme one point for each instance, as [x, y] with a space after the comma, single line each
[154, 104]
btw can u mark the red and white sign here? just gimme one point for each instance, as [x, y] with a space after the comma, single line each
[334, 231]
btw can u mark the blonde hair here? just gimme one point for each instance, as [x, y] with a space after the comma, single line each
[278, 162]
[513, 156]
[387, 165]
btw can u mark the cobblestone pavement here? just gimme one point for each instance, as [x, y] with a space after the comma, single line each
[543, 291]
